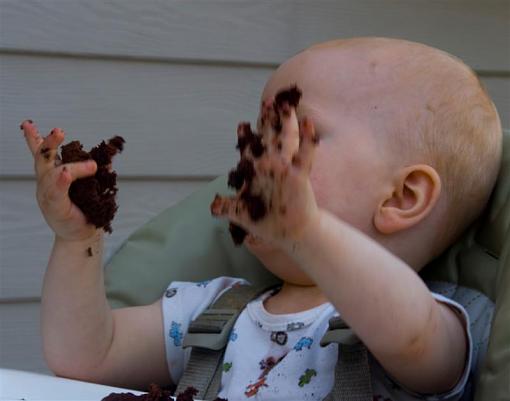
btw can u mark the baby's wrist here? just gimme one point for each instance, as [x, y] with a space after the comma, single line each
[81, 242]
[301, 239]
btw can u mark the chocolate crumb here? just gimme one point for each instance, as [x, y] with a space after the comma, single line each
[296, 161]
[46, 153]
[257, 148]
[291, 96]
[235, 179]
[276, 121]
[123, 397]
[187, 395]
[95, 195]
[244, 172]
[21, 125]
[89, 252]
[246, 137]
[255, 205]
[237, 233]
[155, 393]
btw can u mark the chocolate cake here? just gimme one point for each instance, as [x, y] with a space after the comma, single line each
[242, 176]
[156, 393]
[95, 196]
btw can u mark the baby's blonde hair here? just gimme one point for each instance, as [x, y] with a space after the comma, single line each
[459, 133]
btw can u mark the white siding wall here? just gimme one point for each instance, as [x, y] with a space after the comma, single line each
[173, 78]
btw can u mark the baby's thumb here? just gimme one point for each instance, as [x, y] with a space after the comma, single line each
[70, 172]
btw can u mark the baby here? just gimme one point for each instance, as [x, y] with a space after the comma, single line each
[410, 145]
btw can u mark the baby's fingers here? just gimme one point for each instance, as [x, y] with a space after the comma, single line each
[32, 136]
[45, 149]
[303, 158]
[289, 138]
[57, 189]
[231, 208]
[46, 156]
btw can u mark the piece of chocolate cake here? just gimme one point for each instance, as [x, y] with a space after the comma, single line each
[156, 393]
[95, 196]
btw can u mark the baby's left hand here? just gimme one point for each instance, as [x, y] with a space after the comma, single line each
[274, 199]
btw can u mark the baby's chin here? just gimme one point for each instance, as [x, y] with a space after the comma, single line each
[276, 261]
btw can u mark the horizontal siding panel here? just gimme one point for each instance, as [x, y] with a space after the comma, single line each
[20, 338]
[26, 240]
[178, 120]
[251, 31]
[181, 118]
[499, 90]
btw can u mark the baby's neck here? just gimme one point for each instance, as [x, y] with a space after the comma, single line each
[294, 298]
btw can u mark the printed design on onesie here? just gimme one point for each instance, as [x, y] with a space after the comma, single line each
[265, 365]
[176, 333]
[203, 283]
[233, 335]
[295, 326]
[170, 292]
[279, 337]
[306, 377]
[303, 342]
[227, 366]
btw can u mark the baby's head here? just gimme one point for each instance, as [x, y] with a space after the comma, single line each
[410, 141]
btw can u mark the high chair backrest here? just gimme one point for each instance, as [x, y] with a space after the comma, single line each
[184, 243]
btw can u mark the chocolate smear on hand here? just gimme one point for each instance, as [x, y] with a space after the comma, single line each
[95, 196]
[244, 172]
[255, 205]
[237, 233]
[242, 176]
[246, 137]
[291, 96]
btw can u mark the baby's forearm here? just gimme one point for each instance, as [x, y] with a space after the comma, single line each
[76, 320]
[382, 298]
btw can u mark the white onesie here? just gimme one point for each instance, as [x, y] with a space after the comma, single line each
[276, 357]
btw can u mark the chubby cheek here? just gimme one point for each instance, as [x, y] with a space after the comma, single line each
[337, 190]
[324, 183]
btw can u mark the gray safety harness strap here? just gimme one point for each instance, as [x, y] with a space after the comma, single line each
[352, 371]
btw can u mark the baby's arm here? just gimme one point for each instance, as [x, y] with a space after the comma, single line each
[82, 337]
[419, 341]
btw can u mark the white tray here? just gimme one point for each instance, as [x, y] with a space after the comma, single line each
[29, 386]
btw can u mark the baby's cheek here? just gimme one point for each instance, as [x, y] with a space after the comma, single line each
[321, 189]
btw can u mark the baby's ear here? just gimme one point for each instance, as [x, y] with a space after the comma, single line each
[416, 190]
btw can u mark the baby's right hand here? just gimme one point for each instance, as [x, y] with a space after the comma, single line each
[53, 182]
